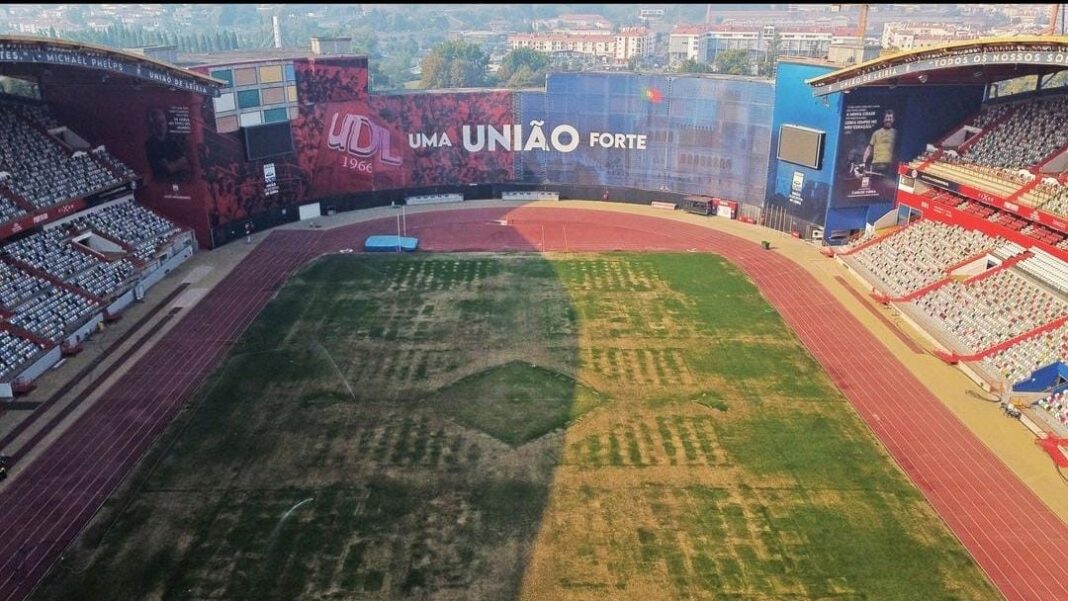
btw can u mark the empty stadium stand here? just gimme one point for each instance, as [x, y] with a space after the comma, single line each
[918, 255]
[1001, 180]
[37, 170]
[58, 281]
[15, 351]
[53, 253]
[989, 310]
[1014, 151]
[1018, 361]
[1057, 202]
[52, 313]
[1047, 268]
[54, 286]
[1056, 406]
[1033, 131]
[997, 304]
[138, 228]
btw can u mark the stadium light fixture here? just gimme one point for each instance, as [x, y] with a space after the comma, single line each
[923, 78]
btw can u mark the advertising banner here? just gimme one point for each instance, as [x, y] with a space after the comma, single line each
[868, 153]
[797, 184]
[167, 144]
[685, 134]
[403, 141]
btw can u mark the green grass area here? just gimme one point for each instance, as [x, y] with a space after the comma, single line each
[624, 426]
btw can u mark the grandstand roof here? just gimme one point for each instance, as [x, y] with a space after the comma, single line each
[22, 56]
[980, 61]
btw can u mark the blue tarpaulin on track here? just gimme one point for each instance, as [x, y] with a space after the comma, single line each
[390, 244]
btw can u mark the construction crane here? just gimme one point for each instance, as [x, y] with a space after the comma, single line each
[862, 26]
[1055, 14]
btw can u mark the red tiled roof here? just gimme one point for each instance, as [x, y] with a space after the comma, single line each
[690, 29]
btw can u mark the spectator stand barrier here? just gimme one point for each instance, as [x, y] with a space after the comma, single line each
[433, 199]
[530, 196]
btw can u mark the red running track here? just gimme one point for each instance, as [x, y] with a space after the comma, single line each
[1014, 537]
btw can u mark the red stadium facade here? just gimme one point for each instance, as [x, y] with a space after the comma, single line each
[345, 140]
[352, 148]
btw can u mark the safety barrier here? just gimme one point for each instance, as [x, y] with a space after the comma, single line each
[433, 199]
[530, 196]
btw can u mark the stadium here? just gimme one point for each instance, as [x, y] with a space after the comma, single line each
[655, 337]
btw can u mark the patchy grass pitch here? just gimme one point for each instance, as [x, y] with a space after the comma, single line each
[624, 426]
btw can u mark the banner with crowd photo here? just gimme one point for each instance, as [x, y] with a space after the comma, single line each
[869, 149]
[703, 135]
[331, 79]
[238, 188]
[695, 135]
[402, 141]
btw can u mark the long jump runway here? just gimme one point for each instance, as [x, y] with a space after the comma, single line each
[1013, 536]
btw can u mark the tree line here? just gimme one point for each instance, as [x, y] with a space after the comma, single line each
[120, 36]
[460, 64]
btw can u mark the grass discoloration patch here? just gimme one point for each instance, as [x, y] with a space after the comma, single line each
[624, 426]
[516, 402]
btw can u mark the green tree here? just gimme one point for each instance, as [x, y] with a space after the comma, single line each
[733, 62]
[771, 55]
[397, 66]
[691, 65]
[523, 68]
[454, 64]
[365, 41]
[380, 80]
[465, 74]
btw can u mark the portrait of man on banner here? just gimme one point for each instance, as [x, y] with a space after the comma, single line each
[165, 148]
[868, 153]
[882, 147]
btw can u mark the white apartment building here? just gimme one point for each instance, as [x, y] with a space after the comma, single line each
[684, 42]
[619, 47]
[632, 42]
[796, 40]
[600, 46]
[911, 36]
